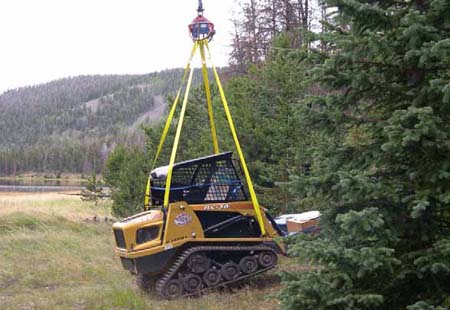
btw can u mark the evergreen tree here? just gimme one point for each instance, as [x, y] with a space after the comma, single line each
[380, 139]
[263, 104]
[94, 191]
[126, 174]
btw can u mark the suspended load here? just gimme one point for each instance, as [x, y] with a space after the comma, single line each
[203, 227]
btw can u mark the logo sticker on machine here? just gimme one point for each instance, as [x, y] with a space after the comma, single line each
[216, 207]
[183, 219]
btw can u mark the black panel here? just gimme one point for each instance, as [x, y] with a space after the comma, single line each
[120, 240]
[155, 263]
[274, 245]
[127, 264]
[234, 225]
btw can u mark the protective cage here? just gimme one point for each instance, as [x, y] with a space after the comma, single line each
[203, 180]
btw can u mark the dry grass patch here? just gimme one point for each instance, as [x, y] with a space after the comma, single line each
[51, 258]
[64, 205]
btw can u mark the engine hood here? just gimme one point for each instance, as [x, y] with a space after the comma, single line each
[140, 219]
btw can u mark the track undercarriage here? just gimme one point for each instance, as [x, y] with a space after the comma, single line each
[201, 268]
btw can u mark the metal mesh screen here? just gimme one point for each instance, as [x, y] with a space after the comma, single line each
[213, 181]
[224, 184]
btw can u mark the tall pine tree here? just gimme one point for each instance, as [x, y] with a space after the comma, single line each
[380, 165]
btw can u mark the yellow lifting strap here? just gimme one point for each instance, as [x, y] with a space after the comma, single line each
[167, 126]
[238, 147]
[203, 45]
[208, 97]
[177, 140]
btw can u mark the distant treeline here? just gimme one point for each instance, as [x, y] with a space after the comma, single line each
[70, 125]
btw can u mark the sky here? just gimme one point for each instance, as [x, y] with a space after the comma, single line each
[49, 39]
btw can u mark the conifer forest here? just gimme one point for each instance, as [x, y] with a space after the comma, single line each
[341, 106]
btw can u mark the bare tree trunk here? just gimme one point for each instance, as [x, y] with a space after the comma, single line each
[288, 15]
[323, 18]
[274, 17]
[305, 20]
[253, 31]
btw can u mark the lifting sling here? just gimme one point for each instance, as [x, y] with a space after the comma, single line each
[202, 45]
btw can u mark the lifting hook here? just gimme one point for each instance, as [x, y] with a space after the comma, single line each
[200, 8]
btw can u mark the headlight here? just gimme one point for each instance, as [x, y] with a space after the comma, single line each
[147, 234]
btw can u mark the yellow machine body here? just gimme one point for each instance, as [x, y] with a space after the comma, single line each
[182, 228]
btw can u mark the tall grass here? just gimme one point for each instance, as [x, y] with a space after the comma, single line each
[53, 256]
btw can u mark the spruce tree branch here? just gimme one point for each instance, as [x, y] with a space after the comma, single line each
[385, 202]
[375, 63]
[382, 64]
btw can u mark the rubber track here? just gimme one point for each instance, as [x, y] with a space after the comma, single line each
[163, 280]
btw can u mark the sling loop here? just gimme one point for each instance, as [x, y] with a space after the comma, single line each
[238, 147]
[208, 97]
[203, 46]
[177, 140]
[147, 199]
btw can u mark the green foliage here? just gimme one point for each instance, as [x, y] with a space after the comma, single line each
[126, 174]
[263, 104]
[357, 256]
[72, 124]
[379, 160]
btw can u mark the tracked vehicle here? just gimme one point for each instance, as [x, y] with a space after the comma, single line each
[203, 227]
[209, 235]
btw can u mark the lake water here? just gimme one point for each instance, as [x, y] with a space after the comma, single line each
[40, 185]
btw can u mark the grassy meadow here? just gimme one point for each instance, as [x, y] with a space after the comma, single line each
[54, 255]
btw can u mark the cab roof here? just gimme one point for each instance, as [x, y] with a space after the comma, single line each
[162, 171]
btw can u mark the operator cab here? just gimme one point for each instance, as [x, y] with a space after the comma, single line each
[210, 179]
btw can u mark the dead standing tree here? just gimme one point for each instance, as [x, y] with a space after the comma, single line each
[260, 21]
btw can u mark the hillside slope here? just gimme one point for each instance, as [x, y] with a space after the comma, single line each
[70, 125]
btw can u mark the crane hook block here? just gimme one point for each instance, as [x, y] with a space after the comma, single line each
[201, 28]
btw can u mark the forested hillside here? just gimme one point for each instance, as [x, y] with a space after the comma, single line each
[72, 124]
